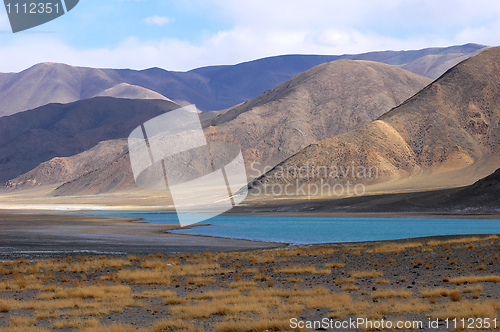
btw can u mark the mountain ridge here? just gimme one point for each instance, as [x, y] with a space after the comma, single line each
[323, 101]
[210, 88]
[448, 134]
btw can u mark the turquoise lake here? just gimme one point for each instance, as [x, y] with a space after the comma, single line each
[308, 230]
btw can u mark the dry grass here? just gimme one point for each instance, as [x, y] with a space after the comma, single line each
[113, 328]
[170, 325]
[335, 265]
[413, 306]
[249, 270]
[89, 292]
[199, 281]
[474, 279]
[466, 309]
[22, 321]
[382, 281]
[262, 324]
[367, 274]
[391, 293]
[145, 277]
[387, 248]
[250, 299]
[215, 295]
[243, 285]
[466, 240]
[341, 281]
[299, 269]
[75, 323]
[350, 288]
[455, 295]
[473, 289]
[436, 292]
[4, 306]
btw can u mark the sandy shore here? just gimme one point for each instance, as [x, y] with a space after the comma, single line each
[33, 234]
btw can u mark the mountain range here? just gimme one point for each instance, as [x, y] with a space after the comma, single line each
[210, 88]
[447, 135]
[438, 135]
[327, 100]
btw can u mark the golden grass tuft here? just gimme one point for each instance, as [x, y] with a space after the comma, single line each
[341, 281]
[199, 281]
[243, 285]
[367, 274]
[22, 321]
[474, 279]
[469, 239]
[468, 309]
[387, 248]
[4, 306]
[298, 269]
[350, 288]
[391, 293]
[88, 292]
[436, 292]
[455, 295]
[335, 265]
[262, 324]
[113, 328]
[472, 289]
[382, 281]
[413, 306]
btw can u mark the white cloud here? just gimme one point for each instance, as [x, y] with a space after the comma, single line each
[263, 28]
[157, 20]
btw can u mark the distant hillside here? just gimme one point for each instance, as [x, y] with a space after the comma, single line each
[447, 135]
[210, 88]
[30, 138]
[327, 100]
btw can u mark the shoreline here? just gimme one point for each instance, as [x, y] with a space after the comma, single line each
[39, 234]
[27, 235]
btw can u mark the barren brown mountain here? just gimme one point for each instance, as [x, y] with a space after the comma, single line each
[327, 100]
[47, 83]
[448, 135]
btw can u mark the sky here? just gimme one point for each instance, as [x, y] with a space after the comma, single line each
[186, 34]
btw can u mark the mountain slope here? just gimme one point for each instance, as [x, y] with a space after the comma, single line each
[56, 130]
[128, 91]
[210, 88]
[327, 100]
[482, 197]
[47, 83]
[448, 135]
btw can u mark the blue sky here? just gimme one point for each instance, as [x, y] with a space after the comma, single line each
[185, 34]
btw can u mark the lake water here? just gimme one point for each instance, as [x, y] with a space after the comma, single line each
[308, 230]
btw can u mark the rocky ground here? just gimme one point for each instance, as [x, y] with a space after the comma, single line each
[410, 281]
